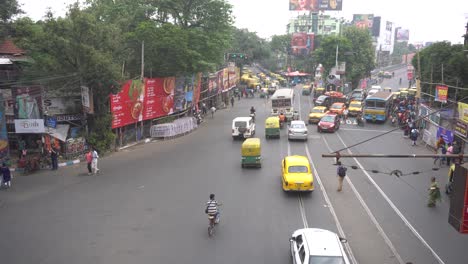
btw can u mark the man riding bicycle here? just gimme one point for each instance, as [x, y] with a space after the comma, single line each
[212, 208]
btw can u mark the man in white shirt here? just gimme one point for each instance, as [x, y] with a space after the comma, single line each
[94, 162]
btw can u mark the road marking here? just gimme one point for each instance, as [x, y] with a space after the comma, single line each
[370, 214]
[330, 206]
[368, 130]
[397, 211]
[302, 210]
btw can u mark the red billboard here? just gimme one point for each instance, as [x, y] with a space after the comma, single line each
[139, 101]
[302, 43]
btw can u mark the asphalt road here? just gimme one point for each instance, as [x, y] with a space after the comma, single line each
[148, 204]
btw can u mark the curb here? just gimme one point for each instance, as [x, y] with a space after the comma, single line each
[63, 164]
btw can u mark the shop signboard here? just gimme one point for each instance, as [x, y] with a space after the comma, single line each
[461, 129]
[65, 118]
[62, 105]
[441, 93]
[29, 126]
[446, 134]
[51, 121]
[28, 101]
[463, 112]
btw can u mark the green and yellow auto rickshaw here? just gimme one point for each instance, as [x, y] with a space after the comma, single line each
[251, 153]
[272, 127]
[306, 89]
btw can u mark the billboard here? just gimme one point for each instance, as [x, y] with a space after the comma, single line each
[376, 26]
[388, 33]
[402, 34]
[28, 101]
[363, 20]
[315, 5]
[302, 43]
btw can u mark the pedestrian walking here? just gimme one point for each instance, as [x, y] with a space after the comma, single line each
[434, 193]
[204, 108]
[232, 101]
[6, 176]
[89, 161]
[414, 135]
[449, 151]
[341, 171]
[345, 114]
[94, 162]
[213, 110]
[54, 158]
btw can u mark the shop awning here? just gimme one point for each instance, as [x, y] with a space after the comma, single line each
[59, 133]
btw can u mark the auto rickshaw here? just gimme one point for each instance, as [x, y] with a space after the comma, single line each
[387, 89]
[306, 90]
[404, 94]
[412, 92]
[272, 127]
[251, 153]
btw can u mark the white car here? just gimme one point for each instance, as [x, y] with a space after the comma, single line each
[297, 130]
[243, 127]
[314, 245]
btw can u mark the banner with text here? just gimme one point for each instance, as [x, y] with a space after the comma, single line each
[441, 93]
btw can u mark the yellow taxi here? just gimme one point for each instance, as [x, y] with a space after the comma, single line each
[296, 174]
[355, 108]
[316, 114]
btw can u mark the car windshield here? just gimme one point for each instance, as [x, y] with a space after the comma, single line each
[336, 106]
[326, 260]
[297, 126]
[321, 98]
[328, 119]
[355, 105]
[317, 110]
[298, 169]
[240, 124]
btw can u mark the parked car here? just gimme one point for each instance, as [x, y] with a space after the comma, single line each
[243, 127]
[329, 122]
[314, 245]
[296, 174]
[297, 130]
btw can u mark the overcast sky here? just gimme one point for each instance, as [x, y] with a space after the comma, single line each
[427, 20]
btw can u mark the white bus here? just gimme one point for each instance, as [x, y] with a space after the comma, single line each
[283, 100]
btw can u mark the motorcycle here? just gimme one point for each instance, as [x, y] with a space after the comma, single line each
[198, 117]
[252, 115]
[360, 121]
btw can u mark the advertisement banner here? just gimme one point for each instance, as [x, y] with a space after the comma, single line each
[388, 33]
[461, 129]
[315, 5]
[441, 93]
[226, 84]
[29, 126]
[28, 101]
[463, 112]
[298, 43]
[213, 83]
[8, 101]
[159, 97]
[87, 100]
[220, 81]
[402, 34]
[446, 134]
[127, 105]
[3, 135]
[179, 95]
[197, 89]
[365, 21]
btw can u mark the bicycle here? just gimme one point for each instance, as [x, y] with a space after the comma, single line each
[213, 221]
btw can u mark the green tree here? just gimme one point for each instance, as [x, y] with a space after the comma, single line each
[9, 9]
[361, 59]
[443, 59]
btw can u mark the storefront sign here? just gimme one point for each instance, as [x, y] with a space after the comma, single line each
[62, 105]
[463, 112]
[51, 121]
[441, 93]
[62, 118]
[446, 134]
[461, 129]
[32, 126]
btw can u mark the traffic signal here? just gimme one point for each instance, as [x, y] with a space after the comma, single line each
[235, 56]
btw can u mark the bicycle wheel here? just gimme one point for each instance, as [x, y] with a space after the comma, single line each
[210, 230]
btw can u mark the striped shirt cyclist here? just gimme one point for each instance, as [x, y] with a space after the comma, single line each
[212, 207]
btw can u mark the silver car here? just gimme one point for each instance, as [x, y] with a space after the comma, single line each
[297, 130]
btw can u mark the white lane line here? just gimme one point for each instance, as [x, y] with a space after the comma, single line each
[370, 214]
[397, 211]
[330, 206]
[368, 130]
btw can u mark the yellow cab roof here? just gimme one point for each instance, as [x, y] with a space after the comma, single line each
[403, 89]
[297, 160]
[355, 102]
[320, 107]
[320, 88]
